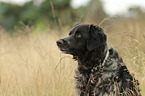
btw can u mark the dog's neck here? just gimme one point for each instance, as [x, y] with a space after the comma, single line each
[92, 58]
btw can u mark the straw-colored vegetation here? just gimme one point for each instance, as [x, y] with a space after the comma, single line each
[32, 65]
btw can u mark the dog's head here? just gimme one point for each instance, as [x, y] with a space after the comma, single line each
[82, 37]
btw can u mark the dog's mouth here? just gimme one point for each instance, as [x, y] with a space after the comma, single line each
[68, 50]
[64, 50]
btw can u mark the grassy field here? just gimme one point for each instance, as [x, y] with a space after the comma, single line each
[32, 65]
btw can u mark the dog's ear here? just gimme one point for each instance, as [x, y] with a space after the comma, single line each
[96, 37]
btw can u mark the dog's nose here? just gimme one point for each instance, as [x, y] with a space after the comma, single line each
[59, 42]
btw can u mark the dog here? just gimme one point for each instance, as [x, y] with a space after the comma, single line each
[100, 70]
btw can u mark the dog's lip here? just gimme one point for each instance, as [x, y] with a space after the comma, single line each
[62, 49]
[65, 51]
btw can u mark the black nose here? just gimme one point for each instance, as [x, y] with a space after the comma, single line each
[59, 42]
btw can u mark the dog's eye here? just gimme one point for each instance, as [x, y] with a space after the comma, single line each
[78, 35]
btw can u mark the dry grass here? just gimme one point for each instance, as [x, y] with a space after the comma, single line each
[28, 67]
[31, 65]
[127, 36]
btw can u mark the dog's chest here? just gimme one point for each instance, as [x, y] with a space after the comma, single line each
[103, 83]
[98, 82]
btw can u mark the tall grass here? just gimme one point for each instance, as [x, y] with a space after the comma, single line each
[128, 37]
[32, 65]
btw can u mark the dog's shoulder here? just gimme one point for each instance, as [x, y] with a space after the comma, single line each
[114, 61]
[113, 53]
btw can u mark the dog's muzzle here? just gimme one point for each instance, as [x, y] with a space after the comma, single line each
[62, 44]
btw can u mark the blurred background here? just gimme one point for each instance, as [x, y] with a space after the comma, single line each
[30, 62]
[57, 13]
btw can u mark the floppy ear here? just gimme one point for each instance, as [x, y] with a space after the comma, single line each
[96, 37]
